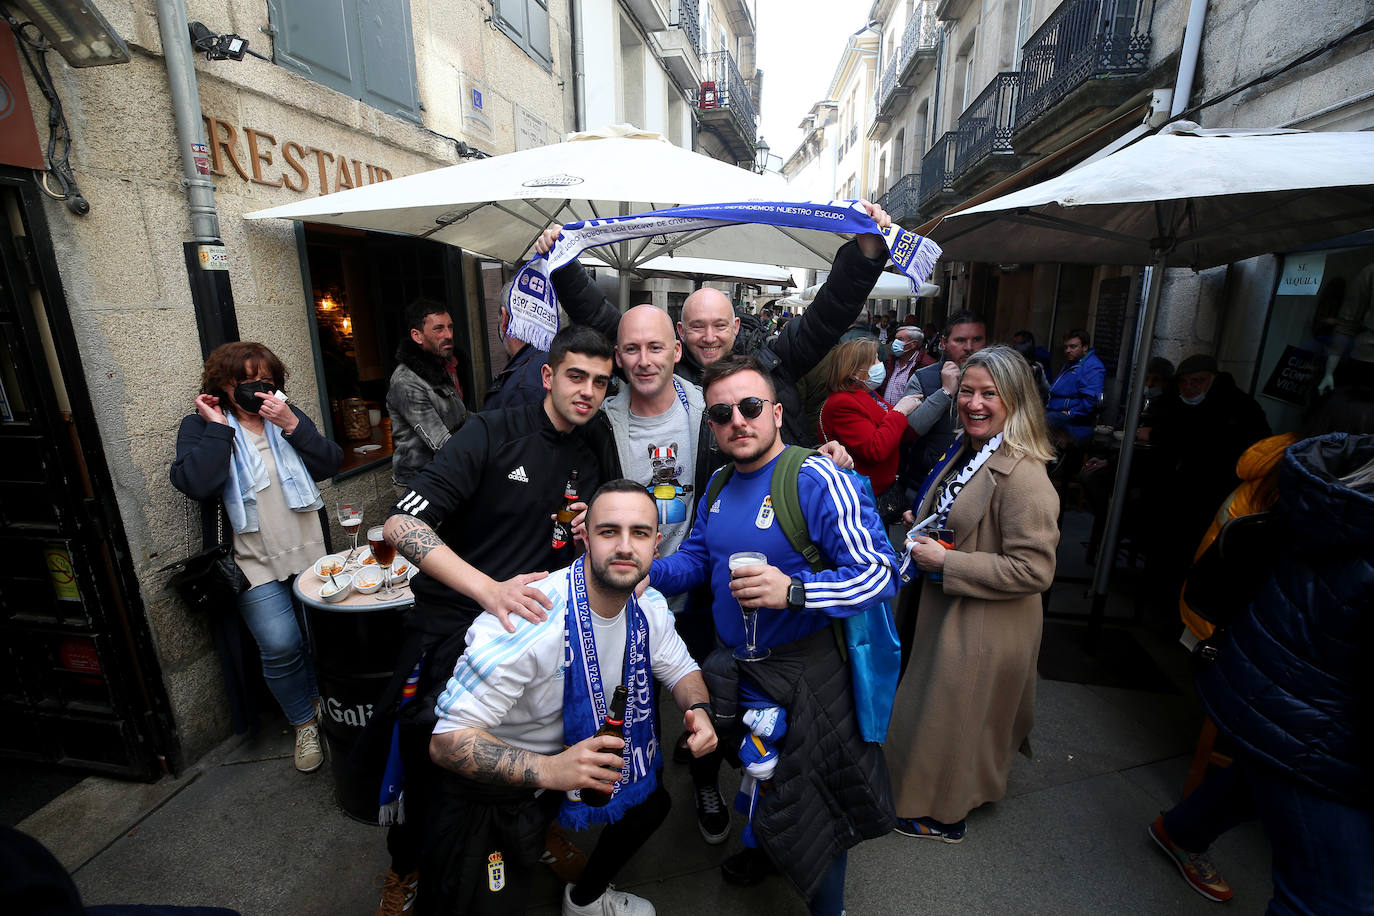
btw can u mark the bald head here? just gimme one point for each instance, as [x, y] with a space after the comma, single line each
[708, 326]
[646, 352]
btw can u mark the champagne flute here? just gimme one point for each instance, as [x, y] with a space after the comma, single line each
[383, 553]
[351, 517]
[750, 651]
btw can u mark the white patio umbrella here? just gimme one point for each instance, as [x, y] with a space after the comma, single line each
[1185, 197]
[499, 206]
[889, 286]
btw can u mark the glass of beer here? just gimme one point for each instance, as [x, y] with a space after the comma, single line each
[351, 518]
[383, 553]
[750, 651]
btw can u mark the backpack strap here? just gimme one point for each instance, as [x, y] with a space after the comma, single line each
[787, 504]
[787, 509]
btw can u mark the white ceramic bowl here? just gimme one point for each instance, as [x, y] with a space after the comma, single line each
[334, 595]
[400, 567]
[319, 565]
[367, 580]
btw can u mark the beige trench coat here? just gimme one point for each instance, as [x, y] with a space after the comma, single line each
[967, 700]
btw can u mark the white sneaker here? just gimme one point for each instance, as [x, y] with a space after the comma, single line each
[309, 752]
[611, 903]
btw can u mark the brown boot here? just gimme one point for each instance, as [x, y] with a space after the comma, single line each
[561, 855]
[398, 893]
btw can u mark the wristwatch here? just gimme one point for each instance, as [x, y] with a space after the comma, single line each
[796, 595]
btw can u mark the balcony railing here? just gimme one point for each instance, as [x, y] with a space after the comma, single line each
[937, 170]
[723, 87]
[1081, 40]
[902, 200]
[986, 126]
[922, 34]
[689, 21]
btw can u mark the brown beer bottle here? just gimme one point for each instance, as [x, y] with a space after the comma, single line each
[562, 526]
[614, 725]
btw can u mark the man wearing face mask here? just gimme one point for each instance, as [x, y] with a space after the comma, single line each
[1201, 426]
[906, 358]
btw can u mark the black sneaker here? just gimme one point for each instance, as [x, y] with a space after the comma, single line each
[713, 819]
[747, 868]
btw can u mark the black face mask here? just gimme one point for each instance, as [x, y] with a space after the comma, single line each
[244, 395]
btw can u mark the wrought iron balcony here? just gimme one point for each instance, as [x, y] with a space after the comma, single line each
[937, 171]
[724, 102]
[1081, 40]
[922, 35]
[902, 200]
[985, 127]
[689, 21]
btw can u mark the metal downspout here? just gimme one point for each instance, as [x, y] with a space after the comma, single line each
[181, 78]
[1188, 55]
[579, 65]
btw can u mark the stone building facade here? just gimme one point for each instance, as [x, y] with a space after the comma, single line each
[424, 84]
[977, 98]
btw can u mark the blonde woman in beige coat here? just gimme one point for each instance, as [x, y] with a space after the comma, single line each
[967, 701]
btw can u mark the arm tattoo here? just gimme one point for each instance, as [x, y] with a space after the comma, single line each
[480, 756]
[415, 539]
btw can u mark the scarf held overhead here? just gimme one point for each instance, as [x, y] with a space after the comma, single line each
[585, 703]
[534, 307]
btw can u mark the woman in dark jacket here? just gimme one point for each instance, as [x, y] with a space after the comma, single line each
[257, 457]
[1293, 689]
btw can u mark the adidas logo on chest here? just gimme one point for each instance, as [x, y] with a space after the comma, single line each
[518, 475]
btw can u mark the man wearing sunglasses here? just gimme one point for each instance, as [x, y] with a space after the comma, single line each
[805, 674]
[709, 326]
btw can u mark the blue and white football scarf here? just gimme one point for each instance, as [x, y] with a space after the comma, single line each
[534, 308]
[585, 703]
[950, 491]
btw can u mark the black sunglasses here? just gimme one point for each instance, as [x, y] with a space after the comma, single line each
[749, 408]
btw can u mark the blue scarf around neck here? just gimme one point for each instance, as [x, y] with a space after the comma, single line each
[586, 700]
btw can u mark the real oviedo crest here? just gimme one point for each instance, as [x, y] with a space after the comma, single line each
[496, 872]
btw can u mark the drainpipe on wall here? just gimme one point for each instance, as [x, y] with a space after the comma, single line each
[578, 62]
[207, 266]
[1188, 55]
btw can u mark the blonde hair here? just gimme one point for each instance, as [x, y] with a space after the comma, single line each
[851, 358]
[1026, 432]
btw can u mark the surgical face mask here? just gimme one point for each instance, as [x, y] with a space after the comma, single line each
[1193, 402]
[898, 347]
[1151, 393]
[876, 374]
[244, 395]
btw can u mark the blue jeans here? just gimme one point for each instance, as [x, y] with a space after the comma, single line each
[270, 613]
[1322, 848]
[829, 897]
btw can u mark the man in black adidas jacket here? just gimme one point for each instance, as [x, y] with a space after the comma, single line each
[476, 520]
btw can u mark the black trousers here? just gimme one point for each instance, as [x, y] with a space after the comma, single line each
[484, 842]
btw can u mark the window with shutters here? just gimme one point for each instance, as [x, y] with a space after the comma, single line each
[363, 48]
[526, 22]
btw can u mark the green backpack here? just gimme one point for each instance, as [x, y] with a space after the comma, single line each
[786, 498]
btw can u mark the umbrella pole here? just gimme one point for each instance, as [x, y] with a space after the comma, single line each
[1106, 551]
[624, 247]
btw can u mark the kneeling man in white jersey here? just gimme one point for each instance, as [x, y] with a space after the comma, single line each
[517, 726]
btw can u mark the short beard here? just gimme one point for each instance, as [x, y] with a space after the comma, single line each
[608, 588]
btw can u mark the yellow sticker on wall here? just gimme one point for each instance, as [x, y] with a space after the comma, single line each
[60, 570]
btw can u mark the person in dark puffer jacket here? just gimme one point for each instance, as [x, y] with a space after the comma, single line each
[1293, 688]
